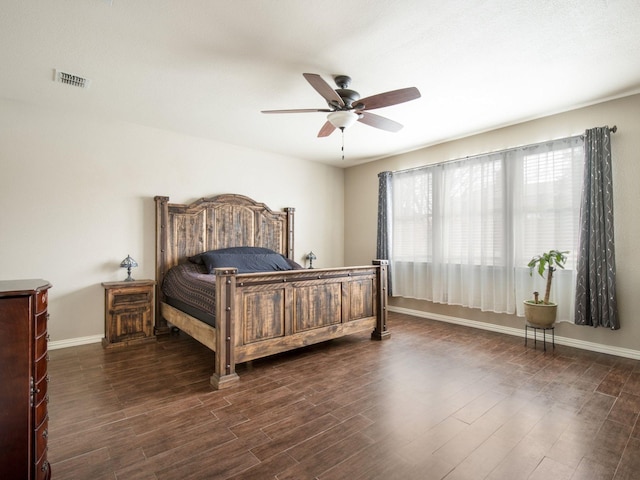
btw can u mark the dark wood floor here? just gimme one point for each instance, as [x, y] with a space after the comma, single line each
[436, 401]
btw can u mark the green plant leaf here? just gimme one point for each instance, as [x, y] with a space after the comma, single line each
[547, 261]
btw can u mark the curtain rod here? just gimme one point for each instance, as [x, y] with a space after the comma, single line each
[613, 129]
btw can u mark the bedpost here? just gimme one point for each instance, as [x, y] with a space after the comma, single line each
[381, 332]
[290, 241]
[162, 216]
[224, 374]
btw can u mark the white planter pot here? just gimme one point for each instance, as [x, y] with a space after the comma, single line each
[539, 314]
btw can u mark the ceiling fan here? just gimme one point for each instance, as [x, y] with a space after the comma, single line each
[346, 107]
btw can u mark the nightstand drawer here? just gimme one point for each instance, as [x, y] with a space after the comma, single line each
[130, 297]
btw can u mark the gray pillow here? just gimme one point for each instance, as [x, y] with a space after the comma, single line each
[242, 250]
[245, 263]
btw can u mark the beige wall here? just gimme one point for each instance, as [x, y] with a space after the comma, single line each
[361, 185]
[76, 196]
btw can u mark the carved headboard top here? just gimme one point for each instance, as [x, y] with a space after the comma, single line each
[222, 221]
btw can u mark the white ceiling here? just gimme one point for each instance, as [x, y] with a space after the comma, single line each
[208, 67]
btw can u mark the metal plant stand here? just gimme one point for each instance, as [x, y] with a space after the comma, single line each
[535, 329]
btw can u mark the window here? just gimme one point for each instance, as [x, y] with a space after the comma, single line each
[552, 183]
[464, 231]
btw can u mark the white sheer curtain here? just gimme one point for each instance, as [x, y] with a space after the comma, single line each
[464, 231]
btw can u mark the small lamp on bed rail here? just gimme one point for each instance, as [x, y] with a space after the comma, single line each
[128, 263]
[311, 256]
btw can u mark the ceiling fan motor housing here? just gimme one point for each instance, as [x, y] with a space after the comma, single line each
[348, 96]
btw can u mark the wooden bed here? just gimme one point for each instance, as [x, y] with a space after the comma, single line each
[260, 314]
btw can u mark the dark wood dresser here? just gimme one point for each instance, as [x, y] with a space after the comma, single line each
[23, 379]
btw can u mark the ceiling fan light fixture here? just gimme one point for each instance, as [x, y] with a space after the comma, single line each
[342, 119]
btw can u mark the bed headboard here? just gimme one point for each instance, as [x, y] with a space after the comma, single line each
[222, 221]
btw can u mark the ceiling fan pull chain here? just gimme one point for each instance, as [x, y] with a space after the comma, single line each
[342, 129]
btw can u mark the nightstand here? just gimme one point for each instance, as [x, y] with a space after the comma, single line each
[128, 312]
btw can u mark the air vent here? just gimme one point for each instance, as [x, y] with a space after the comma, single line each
[71, 79]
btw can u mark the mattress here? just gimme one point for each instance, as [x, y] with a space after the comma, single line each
[189, 288]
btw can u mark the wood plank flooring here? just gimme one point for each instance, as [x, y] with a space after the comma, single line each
[436, 401]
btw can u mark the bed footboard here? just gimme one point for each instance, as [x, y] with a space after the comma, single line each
[263, 314]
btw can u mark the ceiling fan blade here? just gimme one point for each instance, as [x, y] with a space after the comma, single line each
[326, 130]
[298, 110]
[389, 98]
[379, 122]
[324, 89]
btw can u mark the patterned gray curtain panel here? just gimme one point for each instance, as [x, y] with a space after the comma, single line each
[596, 272]
[383, 244]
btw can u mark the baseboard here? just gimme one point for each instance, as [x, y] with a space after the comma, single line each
[74, 342]
[519, 332]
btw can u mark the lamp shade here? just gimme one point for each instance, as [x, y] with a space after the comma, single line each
[128, 262]
[342, 119]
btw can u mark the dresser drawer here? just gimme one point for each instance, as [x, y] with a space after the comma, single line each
[41, 323]
[43, 468]
[41, 401]
[41, 368]
[41, 346]
[42, 300]
[42, 438]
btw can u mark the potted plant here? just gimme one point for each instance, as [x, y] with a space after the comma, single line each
[542, 313]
